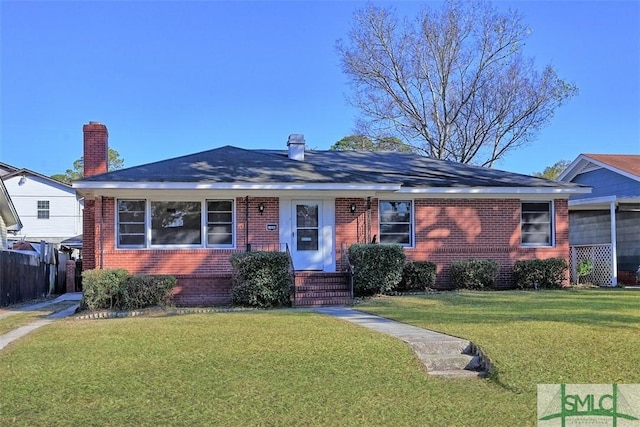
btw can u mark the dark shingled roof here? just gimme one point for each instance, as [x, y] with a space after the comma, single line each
[236, 165]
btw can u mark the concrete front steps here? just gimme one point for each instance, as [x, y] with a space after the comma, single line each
[317, 289]
[442, 355]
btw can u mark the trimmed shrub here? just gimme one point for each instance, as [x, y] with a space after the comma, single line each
[102, 289]
[260, 279]
[545, 273]
[115, 289]
[148, 291]
[474, 273]
[418, 275]
[377, 268]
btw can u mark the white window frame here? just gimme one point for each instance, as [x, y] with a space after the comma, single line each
[206, 224]
[149, 226]
[552, 225]
[412, 234]
[43, 210]
[117, 221]
[203, 224]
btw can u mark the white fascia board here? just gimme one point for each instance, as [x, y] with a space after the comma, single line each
[605, 200]
[592, 201]
[502, 191]
[570, 171]
[230, 186]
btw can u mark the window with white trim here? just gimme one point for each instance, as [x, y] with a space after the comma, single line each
[145, 223]
[537, 223]
[176, 223]
[132, 223]
[43, 209]
[396, 222]
[220, 223]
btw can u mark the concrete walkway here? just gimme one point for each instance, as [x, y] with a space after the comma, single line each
[15, 334]
[442, 355]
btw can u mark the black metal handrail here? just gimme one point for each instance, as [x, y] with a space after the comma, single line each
[292, 273]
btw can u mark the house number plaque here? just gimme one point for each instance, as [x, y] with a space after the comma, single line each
[272, 227]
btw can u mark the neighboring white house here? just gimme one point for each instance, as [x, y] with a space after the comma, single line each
[49, 209]
[9, 219]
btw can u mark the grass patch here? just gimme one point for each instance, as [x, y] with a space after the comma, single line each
[233, 369]
[15, 321]
[299, 368]
[545, 337]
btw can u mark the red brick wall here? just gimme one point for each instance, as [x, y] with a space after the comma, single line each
[446, 230]
[455, 229]
[95, 161]
[352, 227]
[203, 274]
[449, 230]
[95, 143]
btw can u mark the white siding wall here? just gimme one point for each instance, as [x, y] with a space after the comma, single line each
[3, 234]
[65, 215]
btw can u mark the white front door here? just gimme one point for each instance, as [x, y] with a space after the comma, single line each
[307, 242]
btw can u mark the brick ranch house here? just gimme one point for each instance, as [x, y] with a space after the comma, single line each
[186, 216]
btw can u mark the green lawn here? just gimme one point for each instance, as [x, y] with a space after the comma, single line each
[287, 367]
[551, 337]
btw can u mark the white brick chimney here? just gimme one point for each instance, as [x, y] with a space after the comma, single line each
[296, 146]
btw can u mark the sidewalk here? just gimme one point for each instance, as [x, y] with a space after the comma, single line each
[9, 337]
[442, 355]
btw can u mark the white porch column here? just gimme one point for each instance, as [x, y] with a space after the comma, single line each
[614, 252]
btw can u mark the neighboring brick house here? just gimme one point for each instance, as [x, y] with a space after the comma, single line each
[186, 216]
[604, 226]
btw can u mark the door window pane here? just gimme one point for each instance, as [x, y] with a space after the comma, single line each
[307, 239]
[307, 215]
[307, 221]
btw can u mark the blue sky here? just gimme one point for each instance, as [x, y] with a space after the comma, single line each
[174, 78]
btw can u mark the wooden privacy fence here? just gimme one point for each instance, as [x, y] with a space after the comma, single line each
[22, 277]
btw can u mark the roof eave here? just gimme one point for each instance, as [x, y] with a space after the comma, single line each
[496, 190]
[84, 185]
[573, 169]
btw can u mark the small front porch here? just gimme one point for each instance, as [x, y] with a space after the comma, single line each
[317, 288]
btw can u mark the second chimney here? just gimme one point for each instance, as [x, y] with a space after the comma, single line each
[296, 146]
[96, 149]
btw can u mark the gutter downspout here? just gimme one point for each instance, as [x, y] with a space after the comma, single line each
[101, 232]
[246, 222]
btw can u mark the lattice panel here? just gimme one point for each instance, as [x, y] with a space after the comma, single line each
[600, 256]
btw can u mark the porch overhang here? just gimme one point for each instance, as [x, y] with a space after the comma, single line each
[605, 203]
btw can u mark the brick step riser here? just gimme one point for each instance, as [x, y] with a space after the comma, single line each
[323, 295]
[312, 281]
[320, 302]
[305, 288]
[316, 285]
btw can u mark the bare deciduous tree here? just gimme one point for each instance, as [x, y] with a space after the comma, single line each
[453, 83]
